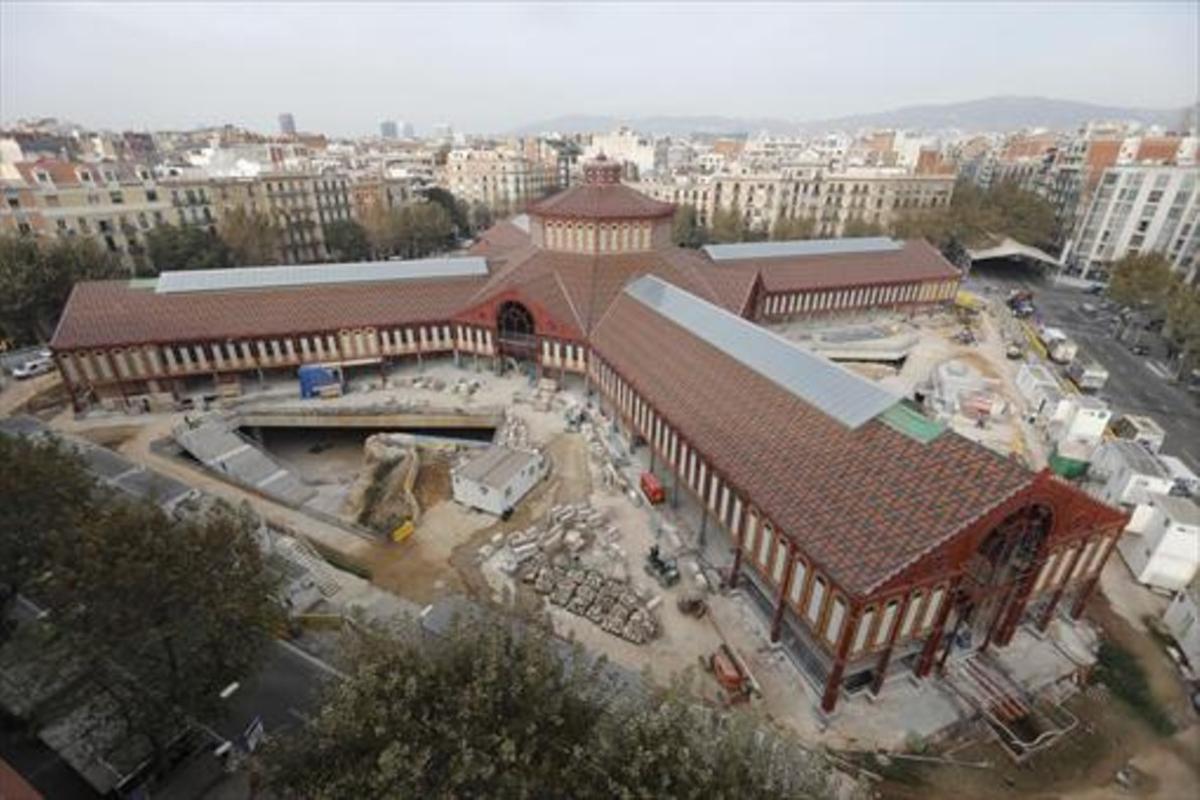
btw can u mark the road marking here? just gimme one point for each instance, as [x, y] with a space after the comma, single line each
[1157, 369]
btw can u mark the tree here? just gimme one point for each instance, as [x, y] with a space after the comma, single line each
[456, 209]
[252, 238]
[159, 614]
[1023, 215]
[44, 494]
[794, 228]
[36, 278]
[379, 224]
[415, 230]
[1183, 325]
[1142, 280]
[481, 216]
[860, 227]
[686, 230]
[974, 215]
[728, 225]
[491, 710]
[347, 240]
[186, 247]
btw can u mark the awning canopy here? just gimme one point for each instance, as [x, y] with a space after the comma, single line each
[1007, 247]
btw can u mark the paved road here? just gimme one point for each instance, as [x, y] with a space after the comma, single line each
[1136, 384]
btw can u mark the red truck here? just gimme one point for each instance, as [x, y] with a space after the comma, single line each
[652, 488]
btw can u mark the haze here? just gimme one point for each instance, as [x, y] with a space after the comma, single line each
[341, 68]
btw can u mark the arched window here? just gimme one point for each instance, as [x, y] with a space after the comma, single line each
[514, 320]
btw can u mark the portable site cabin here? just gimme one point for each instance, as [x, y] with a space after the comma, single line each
[1187, 483]
[1084, 422]
[1165, 553]
[1130, 472]
[496, 480]
[1141, 429]
[1182, 619]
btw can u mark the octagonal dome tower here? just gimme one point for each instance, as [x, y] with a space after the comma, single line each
[601, 216]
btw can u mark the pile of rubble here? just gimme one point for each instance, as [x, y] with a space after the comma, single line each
[467, 387]
[514, 433]
[426, 382]
[574, 558]
[610, 603]
[607, 459]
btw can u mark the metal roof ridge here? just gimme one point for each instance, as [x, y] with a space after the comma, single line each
[803, 247]
[292, 275]
[845, 396]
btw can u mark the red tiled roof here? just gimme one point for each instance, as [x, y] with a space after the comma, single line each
[499, 239]
[108, 313]
[602, 201]
[13, 785]
[917, 260]
[862, 503]
[585, 285]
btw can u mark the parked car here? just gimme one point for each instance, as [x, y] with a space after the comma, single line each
[1094, 289]
[33, 367]
[1140, 350]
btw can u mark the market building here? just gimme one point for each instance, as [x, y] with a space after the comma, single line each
[876, 541]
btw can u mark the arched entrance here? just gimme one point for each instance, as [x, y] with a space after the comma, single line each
[516, 332]
[1003, 564]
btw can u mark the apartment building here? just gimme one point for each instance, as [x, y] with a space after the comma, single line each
[870, 195]
[299, 206]
[1137, 209]
[499, 178]
[114, 204]
[626, 147]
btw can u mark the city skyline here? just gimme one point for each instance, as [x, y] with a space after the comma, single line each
[469, 65]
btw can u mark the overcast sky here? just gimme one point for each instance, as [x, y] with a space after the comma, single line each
[487, 67]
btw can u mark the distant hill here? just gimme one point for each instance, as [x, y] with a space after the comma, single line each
[987, 114]
[999, 114]
[657, 126]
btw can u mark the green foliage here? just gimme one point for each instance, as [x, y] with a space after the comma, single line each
[860, 227]
[415, 230]
[1183, 324]
[794, 228]
[1119, 670]
[481, 217]
[686, 230]
[1142, 280]
[156, 614]
[491, 710]
[347, 240]
[975, 215]
[187, 247]
[36, 279]
[252, 238]
[44, 494]
[728, 226]
[164, 613]
[455, 209]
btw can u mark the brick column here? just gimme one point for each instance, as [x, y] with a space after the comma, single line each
[834, 682]
[784, 586]
[939, 625]
[886, 658]
[1089, 585]
[739, 544]
[1048, 613]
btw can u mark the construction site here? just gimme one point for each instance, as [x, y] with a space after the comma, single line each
[803, 472]
[355, 492]
[359, 478]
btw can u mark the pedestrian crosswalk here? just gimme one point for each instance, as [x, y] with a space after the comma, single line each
[1157, 368]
